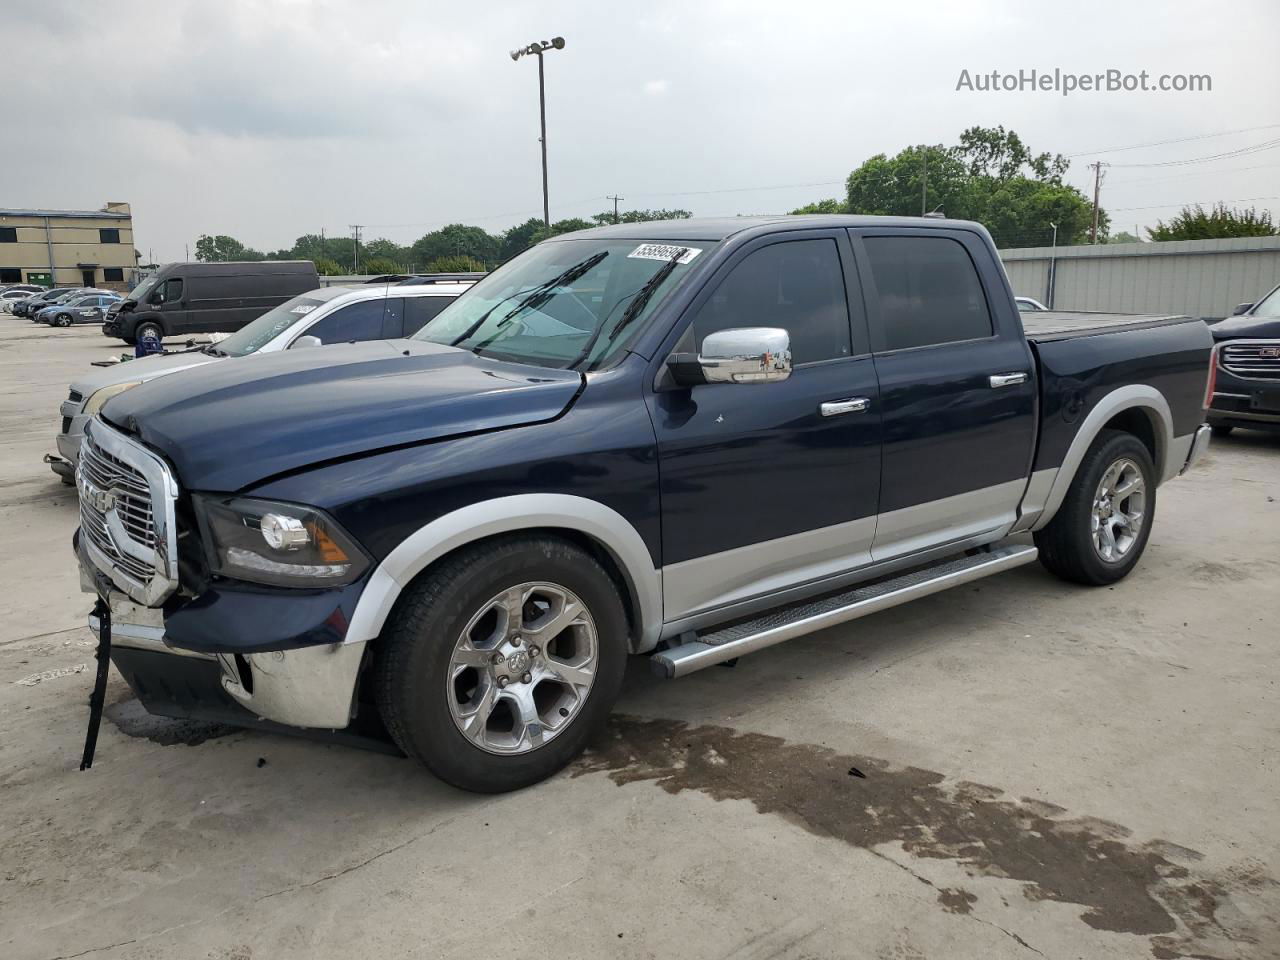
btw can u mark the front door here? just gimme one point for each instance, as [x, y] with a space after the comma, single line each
[957, 389]
[87, 277]
[760, 490]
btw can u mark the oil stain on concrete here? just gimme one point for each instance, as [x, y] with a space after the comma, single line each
[132, 719]
[1151, 889]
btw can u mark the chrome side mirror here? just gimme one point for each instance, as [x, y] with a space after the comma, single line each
[746, 355]
[307, 341]
[740, 355]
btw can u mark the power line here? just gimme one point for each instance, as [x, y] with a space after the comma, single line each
[1191, 203]
[1161, 143]
[1241, 152]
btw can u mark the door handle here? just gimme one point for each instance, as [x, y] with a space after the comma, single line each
[1006, 379]
[834, 408]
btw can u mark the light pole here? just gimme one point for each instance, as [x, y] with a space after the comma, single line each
[538, 48]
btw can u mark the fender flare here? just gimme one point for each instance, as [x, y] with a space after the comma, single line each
[512, 514]
[1138, 396]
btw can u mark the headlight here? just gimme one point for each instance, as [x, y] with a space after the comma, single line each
[282, 544]
[99, 397]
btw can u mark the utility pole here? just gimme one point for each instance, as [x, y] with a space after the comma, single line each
[615, 206]
[1097, 187]
[324, 252]
[355, 251]
[924, 182]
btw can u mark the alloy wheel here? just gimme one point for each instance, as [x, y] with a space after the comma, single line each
[1118, 512]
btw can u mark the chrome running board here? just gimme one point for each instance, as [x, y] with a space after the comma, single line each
[786, 623]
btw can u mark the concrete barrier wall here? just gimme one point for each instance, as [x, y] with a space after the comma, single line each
[1199, 278]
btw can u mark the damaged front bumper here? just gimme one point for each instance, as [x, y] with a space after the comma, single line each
[308, 686]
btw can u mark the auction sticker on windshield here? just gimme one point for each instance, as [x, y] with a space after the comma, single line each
[303, 308]
[663, 251]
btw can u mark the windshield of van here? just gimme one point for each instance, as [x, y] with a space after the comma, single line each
[254, 336]
[139, 293]
[565, 303]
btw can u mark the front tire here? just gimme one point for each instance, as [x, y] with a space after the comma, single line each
[63, 320]
[497, 667]
[1102, 526]
[148, 329]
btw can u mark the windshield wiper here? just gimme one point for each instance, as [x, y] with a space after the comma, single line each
[639, 300]
[536, 290]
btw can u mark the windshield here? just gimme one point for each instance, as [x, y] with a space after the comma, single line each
[567, 303]
[254, 336]
[140, 292]
[1269, 306]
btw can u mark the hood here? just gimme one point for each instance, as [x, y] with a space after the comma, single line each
[1245, 328]
[227, 425]
[143, 368]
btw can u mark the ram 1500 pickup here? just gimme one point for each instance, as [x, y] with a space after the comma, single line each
[689, 440]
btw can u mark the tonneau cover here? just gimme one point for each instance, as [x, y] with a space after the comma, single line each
[1042, 326]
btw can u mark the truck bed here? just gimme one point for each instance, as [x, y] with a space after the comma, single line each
[1049, 325]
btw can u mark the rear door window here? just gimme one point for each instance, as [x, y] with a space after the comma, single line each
[393, 319]
[928, 290]
[418, 310]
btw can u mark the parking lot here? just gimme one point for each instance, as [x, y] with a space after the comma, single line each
[1014, 768]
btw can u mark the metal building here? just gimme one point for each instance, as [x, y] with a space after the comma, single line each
[1199, 278]
[89, 248]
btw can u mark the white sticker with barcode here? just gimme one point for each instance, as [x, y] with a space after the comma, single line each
[303, 308]
[663, 251]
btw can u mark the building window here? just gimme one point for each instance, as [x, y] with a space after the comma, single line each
[8, 234]
[109, 236]
[113, 273]
[10, 275]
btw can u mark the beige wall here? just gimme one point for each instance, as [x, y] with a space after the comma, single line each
[75, 241]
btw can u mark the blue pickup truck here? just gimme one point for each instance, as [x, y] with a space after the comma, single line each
[687, 440]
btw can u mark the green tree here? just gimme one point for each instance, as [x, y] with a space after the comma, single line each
[562, 226]
[456, 239]
[519, 238]
[640, 216]
[990, 176]
[328, 268]
[378, 265]
[455, 265]
[830, 205]
[1196, 223]
[1124, 236]
[386, 249]
[224, 249]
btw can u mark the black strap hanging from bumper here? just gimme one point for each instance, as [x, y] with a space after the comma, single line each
[101, 610]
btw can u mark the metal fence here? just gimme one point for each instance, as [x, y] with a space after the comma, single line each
[1198, 278]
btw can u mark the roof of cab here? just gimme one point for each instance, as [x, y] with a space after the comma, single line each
[715, 229]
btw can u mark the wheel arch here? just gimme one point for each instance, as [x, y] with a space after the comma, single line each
[1138, 409]
[599, 529]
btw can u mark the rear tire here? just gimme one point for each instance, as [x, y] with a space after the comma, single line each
[1221, 429]
[1102, 527]
[468, 684]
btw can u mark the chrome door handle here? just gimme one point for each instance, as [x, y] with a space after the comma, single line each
[1006, 379]
[834, 408]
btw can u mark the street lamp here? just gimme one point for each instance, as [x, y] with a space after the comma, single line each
[538, 48]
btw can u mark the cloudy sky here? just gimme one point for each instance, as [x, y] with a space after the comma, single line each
[266, 120]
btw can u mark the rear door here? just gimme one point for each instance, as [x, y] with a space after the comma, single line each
[419, 310]
[354, 323]
[957, 390]
[770, 486]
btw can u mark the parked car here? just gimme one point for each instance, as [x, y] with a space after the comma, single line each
[77, 308]
[688, 439]
[328, 315]
[1029, 305]
[38, 301]
[33, 312]
[185, 298]
[12, 295]
[1246, 386]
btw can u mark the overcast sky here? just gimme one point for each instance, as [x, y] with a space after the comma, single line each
[268, 120]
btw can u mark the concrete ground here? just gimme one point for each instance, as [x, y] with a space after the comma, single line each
[1016, 768]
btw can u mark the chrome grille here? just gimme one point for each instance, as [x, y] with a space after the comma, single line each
[1252, 360]
[126, 513]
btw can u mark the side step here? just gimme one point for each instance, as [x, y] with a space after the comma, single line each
[786, 623]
